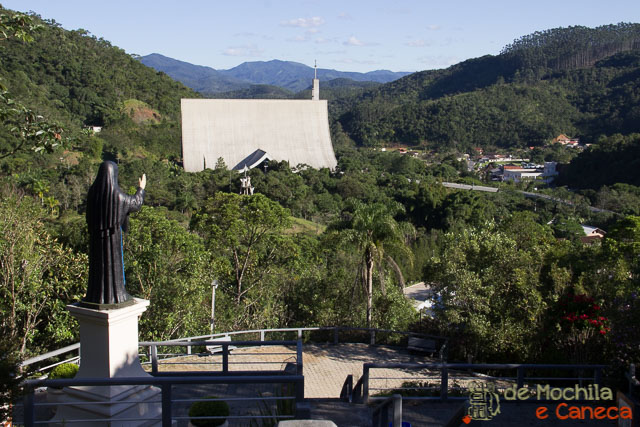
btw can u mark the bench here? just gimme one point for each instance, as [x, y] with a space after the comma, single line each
[218, 348]
[423, 345]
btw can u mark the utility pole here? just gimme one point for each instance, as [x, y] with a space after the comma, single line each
[214, 286]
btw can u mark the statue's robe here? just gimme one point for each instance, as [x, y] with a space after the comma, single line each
[108, 209]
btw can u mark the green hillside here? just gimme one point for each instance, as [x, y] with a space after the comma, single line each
[78, 79]
[504, 265]
[579, 81]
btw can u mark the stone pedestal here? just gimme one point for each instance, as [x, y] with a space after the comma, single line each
[109, 349]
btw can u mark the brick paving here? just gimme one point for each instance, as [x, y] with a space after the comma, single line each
[326, 366]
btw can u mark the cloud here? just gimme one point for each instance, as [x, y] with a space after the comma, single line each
[331, 52]
[248, 34]
[434, 27]
[357, 61]
[353, 41]
[314, 21]
[245, 34]
[439, 61]
[250, 50]
[345, 15]
[298, 38]
[417, 43]
[312, 31]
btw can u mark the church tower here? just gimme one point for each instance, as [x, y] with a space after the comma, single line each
[315, 91]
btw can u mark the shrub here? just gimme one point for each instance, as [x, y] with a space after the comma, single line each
[209, 408]
[64, 371]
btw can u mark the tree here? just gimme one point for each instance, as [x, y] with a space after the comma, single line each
[488, 292]
[168, 265]
[38, 277]
[24, 127]
[376, 234]
[621, 247]
[244, 234]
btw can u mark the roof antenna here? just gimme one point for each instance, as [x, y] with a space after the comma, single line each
[315, 66]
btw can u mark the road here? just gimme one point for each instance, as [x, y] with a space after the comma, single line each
[525, 193]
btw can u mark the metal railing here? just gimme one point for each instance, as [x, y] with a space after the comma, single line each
[346, 394]
[167, 413]
[632, 379]
[47, 357]
[156, 358]
[335, 332]
[380, 416]
[351, 393]
[460, 372]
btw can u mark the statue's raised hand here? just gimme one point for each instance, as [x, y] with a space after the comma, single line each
[142, 182]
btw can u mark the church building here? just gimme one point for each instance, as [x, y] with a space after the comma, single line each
[246, 132]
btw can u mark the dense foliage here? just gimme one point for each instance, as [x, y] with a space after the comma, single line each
[577, 80]
[320, 247]
[76, 79]
[614, 160]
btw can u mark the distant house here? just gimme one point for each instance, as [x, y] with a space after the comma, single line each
[591, 234]
[529, 171]
[563, 139]
[550, 172]
[95, 129]
[518, 174]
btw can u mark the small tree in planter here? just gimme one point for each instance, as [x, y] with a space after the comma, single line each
[60, 372]
[64, 371]
[209, 408]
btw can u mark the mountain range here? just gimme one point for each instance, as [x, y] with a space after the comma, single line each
[583, 82]
[289, 75]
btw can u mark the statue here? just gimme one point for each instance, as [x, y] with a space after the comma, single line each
[108, 209]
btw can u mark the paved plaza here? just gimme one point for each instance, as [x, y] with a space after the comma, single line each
[326, 366]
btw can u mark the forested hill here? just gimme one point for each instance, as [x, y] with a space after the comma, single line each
[78, 79]
[580, 81]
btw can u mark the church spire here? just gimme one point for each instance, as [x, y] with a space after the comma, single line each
[315, 91]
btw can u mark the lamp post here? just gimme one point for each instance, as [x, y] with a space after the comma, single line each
[214, 286]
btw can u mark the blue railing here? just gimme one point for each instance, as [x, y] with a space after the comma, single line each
[166, 403]
[440, 372]
[72, 354]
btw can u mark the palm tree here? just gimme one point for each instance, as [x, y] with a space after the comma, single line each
[375, 232]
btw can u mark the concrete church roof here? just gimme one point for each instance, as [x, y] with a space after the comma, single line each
[234, 129]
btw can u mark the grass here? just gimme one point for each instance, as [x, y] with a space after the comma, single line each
[303, 226]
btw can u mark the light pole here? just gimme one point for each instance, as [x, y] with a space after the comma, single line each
[214, 286]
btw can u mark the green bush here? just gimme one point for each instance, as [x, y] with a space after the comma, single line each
[209, 408]
[64, 371]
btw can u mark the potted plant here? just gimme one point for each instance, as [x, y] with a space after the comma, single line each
[62, 371]
[209, 408]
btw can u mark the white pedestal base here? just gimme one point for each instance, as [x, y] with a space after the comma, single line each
[109, 349]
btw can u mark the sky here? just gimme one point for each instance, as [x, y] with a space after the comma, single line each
[347, 35]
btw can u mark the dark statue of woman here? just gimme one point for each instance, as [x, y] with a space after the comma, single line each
[108, 209]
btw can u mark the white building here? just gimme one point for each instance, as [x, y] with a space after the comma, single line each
[246, 132]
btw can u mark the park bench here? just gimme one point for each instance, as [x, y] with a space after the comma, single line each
[218, 348]
[422, 345]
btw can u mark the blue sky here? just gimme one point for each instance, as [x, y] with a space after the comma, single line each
[348, 35]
